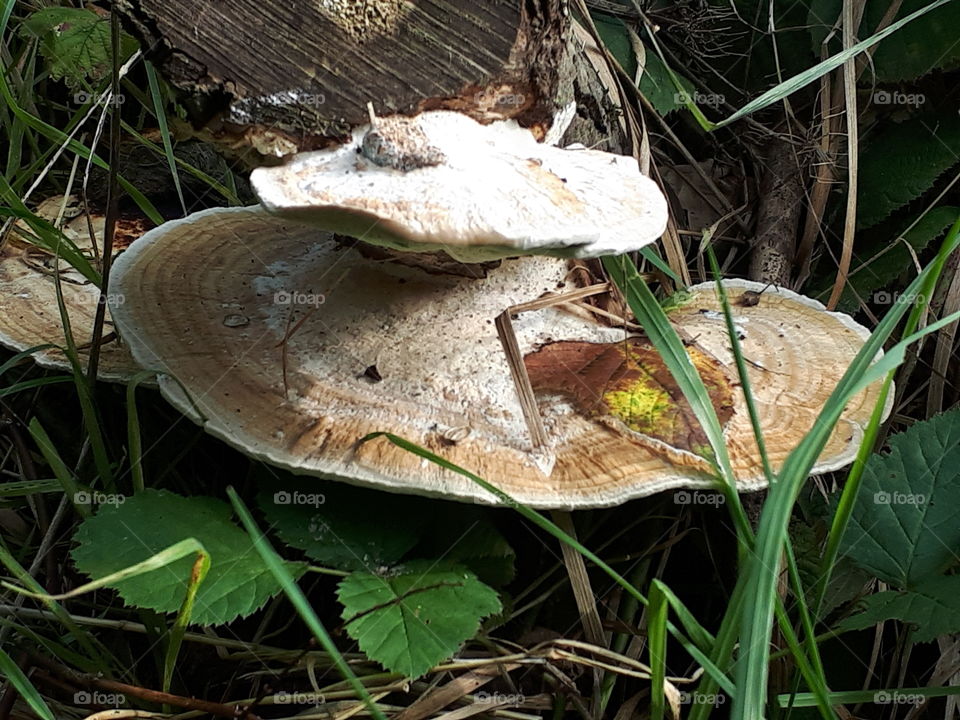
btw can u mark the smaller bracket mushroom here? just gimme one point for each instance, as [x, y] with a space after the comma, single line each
[29, 313]
[442, 181]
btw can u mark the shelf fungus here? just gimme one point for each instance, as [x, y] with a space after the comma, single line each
[266, 331]
[29, 313]
[442, 181]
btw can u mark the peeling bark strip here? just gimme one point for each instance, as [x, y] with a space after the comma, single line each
[309, 68]
[781, 195]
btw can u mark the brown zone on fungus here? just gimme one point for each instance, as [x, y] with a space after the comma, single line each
[628, 381]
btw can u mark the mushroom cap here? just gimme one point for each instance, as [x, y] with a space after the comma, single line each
[30, 316]
[442, 181]
[380, 346]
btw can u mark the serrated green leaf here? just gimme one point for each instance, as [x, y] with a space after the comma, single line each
[75, 43]
[896, 260]
[133, 528]
[902, 161]
[926, 44]
[341, 526]
[904, 528]
[466, 536]
[411, 619]
[846, 581]
[933, 606]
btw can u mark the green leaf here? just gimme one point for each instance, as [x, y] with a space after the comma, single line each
[412, 618]
[657, 87]
[902, 161]
[616, 38]
[21, 683]
[904, 528]
[340, 526]
[933, 606]
[465, 536]
[926, 44]
[895, 260]
[75, 43]
[131, 529]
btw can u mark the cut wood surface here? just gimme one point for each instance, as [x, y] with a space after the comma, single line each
[309, 69]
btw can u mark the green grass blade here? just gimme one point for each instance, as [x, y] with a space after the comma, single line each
[657, 327]
[164, 130]
[275, 563]
[657, 639]
[552, 529]
[23, 355]
[10, 670]
[764, 564]
[791, 85]
[134, 441]
[34, 383]
[58, 136]
[60, 470]
[853, 697]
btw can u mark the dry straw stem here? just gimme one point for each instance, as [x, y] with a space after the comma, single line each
[202, 306]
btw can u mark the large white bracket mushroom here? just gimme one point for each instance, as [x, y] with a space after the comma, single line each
[210, 302]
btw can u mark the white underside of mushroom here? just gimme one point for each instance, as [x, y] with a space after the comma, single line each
[496, 193]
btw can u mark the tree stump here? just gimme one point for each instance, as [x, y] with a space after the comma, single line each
[303, 73]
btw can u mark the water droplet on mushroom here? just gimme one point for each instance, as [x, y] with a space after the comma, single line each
[236, 320]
